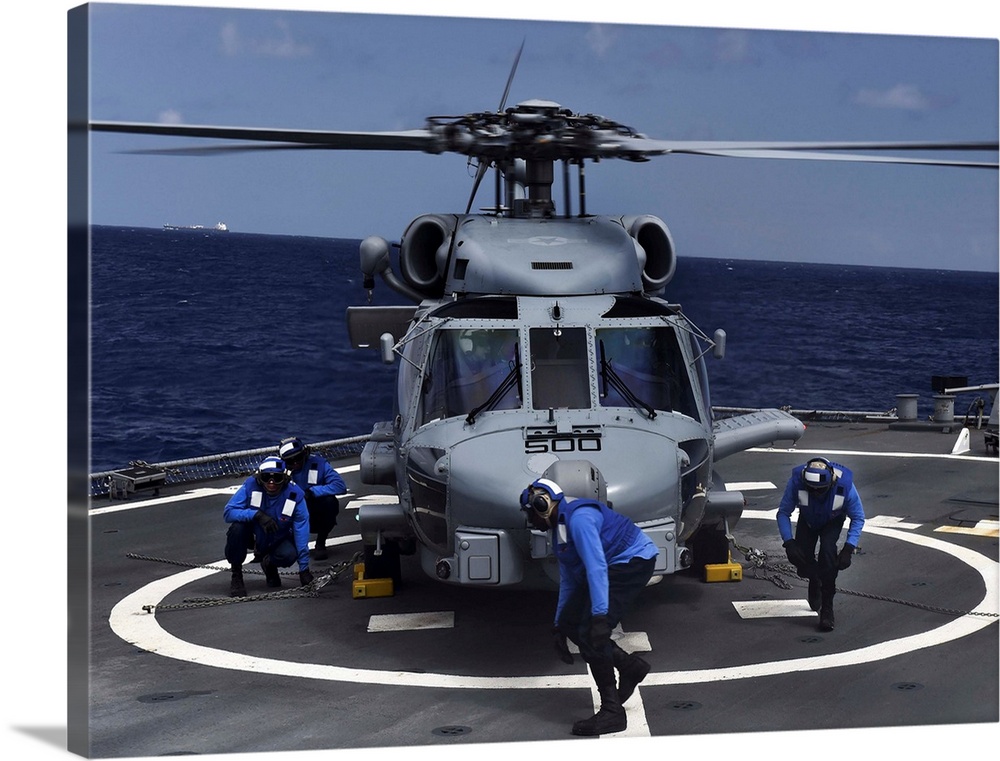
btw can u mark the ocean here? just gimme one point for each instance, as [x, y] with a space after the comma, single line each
[204, 343]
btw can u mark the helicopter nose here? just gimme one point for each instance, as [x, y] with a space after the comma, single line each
[487, 474]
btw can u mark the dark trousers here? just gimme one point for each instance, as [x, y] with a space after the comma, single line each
[241, 538]
[823, 567]
[322, 514]
[625, 580]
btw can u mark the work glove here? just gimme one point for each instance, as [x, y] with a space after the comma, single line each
[600, 632]
[844, 558]
[266, 522]
[795, 554]
[305, 577]
[559, 643]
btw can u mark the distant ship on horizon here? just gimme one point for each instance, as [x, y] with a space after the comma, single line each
[218, 227]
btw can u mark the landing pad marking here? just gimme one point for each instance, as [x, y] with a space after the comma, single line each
[889, 521]
[130, 622]
[982, 528]
[750, 486]
[399, 622]
[773, 608]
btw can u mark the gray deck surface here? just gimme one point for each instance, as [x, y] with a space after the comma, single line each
[310, 673]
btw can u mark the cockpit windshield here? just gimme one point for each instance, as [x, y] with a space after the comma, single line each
[643, 367]
[466, 368]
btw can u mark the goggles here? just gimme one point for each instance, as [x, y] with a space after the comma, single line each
[272, 478]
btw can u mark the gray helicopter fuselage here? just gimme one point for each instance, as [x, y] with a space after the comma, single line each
[541, 346]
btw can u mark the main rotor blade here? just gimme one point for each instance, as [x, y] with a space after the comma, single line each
[822, 145]
[510, 78]
[490, 145]
[855, 158]
[409, 140]
[484, 165]
[480, 173]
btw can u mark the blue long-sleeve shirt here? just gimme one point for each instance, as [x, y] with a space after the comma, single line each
[316, 476]
[817, 509]
[588, 538]
[287, 508]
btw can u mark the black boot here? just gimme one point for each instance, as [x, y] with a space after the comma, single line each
[631, 670]
[815, 594]
[236, 586]
[270, 572]
[611, 716]
[829, 589]
[319, 551]
[826, 618]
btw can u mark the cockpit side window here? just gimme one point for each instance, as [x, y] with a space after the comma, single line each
[559, 371]
[465, 367]
[643, 366]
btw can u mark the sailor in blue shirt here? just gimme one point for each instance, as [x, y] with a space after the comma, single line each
[825, 495]
[604, 561]
[321, 485]
[267, 513]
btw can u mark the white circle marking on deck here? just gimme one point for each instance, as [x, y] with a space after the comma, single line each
[130, 622]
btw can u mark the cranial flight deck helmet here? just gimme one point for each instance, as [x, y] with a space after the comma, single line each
[541, 496]
[818, 474]
[291, 449]
[272, 469]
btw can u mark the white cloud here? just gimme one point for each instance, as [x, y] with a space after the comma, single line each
[734, 46]
[170, 116]
[905, 97]
[282, 45]
[601, 39]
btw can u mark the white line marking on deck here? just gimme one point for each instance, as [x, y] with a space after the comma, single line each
[856, 453]
[982, 528]
[890, 521]
[750, 486]
[133, 624]
[773, 608]
[399, 622]
[193, 494]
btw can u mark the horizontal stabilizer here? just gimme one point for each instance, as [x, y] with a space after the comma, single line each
[735, 434]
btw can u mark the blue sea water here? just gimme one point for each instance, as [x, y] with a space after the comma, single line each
[213, 342]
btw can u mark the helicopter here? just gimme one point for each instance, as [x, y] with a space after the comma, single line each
[540, 342]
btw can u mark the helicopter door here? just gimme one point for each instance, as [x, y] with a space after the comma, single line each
[559, 373]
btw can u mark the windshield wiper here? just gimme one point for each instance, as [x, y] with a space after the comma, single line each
[512, 378]
[615, 381]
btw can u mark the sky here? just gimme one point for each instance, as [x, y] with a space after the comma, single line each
[321, 70]
[316, 71]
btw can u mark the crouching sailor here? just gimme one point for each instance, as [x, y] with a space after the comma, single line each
[267, 514]
[826, 497]
[321, 485]
[604, 561]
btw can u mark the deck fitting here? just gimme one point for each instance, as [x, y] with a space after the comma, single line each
[684, 705]
[451, 731]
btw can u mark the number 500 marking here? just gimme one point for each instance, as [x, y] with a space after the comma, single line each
[563, 444]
